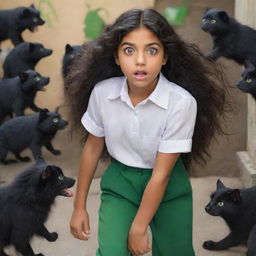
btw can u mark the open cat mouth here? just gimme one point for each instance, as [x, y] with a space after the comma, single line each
[34, 29]
[41, 87]
[67, 193]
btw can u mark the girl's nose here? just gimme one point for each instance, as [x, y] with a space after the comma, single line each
[140, 59]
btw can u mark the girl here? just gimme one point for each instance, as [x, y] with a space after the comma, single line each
[142, 92]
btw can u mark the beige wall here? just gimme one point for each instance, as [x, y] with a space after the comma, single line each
[67, 29]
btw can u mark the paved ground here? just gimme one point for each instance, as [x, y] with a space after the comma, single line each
[205, 226]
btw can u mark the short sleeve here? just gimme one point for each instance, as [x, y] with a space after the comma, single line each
[91, 119]
[177, 136]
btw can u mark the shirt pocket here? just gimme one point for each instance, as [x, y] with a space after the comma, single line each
[149, 148]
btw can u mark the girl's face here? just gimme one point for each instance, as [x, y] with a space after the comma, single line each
[141, 56]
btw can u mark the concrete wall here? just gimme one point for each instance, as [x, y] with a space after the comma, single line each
[245, 12]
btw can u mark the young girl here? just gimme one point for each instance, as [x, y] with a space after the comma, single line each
[142, 92]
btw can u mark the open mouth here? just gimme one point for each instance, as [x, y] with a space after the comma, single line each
[41, 87]
[67, 193]
[140, 74]
[34, 29]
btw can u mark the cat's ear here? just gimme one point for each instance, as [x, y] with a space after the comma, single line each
[207, 9]
[248, 64]
[235, 195]
[223, 16]
[220, 184]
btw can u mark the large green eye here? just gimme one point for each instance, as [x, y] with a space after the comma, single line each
[41, 49]
[35, 20]
[37, 78]
[61, 177]
[213, 21]
[220, 204]
[248, 80]
[55, 120]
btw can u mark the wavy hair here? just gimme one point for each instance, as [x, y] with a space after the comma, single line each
[186, 66]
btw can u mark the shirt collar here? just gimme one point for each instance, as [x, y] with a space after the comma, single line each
[160, 95]
[118, 89]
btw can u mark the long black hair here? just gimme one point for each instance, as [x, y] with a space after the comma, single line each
[186, 66]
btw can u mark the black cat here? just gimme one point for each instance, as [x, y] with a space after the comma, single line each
[23, 57]
[230, 38]
[70, 53]
[13, 22]
[248, 81]
[18, 93]
[32, 131]
[26, 204]
[238, 208]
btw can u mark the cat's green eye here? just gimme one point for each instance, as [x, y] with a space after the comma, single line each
[41, 49]
[72, 56]
[61, 177]
[220, 204]
[37, 78]
[213, 21]
[55, 120]
[35, 20]
[248, 80]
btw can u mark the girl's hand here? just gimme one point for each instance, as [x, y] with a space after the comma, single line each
[138, 242]
[79, 224]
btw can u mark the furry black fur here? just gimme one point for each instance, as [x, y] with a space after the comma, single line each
[26, 203]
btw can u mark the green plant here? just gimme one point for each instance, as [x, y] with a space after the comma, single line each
[176, 15]
[93, 23]
[47, 11]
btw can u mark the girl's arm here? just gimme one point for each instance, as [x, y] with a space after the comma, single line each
[154, 191]
[91, 153]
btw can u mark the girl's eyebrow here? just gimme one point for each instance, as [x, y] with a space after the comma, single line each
[131, 44]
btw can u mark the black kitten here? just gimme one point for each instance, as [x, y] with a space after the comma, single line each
[70, 53]
[32, 131]
[13, 22]
[16, 94]
[238, 208]
[26, 203]
[23, 57]
[248, 81]
[230, 38]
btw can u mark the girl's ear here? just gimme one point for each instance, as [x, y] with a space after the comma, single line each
[164, 60]
[116, 60]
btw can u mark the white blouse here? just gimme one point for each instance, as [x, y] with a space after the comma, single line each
[162, 122]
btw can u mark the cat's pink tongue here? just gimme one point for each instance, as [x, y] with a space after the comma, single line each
[35, 29]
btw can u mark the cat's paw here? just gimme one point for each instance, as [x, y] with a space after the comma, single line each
[56, 152]
[209, 245]
[53, 237]
[25, 159]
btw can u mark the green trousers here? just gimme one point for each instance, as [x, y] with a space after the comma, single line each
[122, 189]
